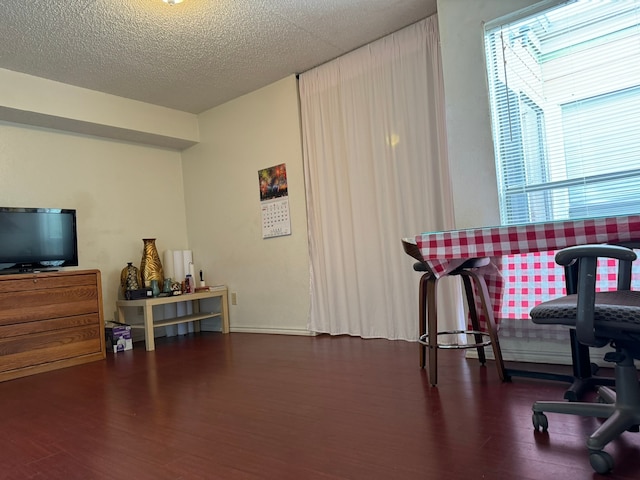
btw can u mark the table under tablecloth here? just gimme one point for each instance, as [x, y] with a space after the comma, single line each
[446, 250]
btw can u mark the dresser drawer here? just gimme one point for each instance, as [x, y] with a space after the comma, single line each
[43, 282]
[33, 305]
[48, 325]
[48, 347]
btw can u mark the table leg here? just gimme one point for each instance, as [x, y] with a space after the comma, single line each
[196, 309]
[473, 314]
[491, 323]
[432, 329]
[422, 320]
[582, 379]
[225, 312]
[583, 374]
[149, 339]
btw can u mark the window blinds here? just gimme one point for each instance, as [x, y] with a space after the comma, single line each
[564, 90]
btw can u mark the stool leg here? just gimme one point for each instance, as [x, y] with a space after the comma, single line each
[475, 323]
[422, 320]
[483, 291]
[432, 328]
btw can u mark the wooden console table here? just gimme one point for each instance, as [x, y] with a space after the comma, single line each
[147, 305]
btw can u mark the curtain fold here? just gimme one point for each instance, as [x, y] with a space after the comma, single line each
[376, 171]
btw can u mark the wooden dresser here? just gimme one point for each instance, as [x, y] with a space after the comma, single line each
[50, 321]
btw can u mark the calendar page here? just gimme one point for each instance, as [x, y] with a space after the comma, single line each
[274, 201]
[275, 218]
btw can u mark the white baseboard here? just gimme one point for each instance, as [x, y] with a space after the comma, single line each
[277, 331]
[541, 351]
[532, 351]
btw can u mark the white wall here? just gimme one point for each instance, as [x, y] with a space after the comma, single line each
[470, 145]
[122, 192]
[25, 99]
[270, 276]
[125, 192]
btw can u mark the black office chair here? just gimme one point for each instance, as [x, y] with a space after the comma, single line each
[600, 319]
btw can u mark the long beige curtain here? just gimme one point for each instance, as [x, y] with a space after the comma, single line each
[376, 171]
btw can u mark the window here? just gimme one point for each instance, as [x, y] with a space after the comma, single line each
[564, 89]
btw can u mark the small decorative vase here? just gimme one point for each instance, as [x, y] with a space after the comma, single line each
[130, 278]
[150, 266]
[155, 288]
[167, 286]
[176, 288]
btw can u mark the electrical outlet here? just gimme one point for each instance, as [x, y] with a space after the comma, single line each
[234, 298]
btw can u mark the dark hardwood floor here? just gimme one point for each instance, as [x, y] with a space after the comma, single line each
[244, 406]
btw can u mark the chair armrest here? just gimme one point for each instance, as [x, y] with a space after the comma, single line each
[587, 257]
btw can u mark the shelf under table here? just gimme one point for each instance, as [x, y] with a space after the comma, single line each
[147, 305]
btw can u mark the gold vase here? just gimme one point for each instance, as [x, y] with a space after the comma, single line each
[150, 266]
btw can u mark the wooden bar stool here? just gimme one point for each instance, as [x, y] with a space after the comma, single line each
[428, 313]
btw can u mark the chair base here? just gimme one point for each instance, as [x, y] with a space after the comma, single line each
[583, 379]
[620, 408]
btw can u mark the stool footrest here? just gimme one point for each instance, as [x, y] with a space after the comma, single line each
[424, 339]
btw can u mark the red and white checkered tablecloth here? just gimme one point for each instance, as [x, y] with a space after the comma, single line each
[522, 255]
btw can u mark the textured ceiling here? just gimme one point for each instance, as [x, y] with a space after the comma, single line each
[191, 56]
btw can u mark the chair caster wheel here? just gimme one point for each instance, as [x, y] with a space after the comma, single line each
[540, 421]
[601, 461]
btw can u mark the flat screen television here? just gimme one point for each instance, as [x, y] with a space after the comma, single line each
[37, 239]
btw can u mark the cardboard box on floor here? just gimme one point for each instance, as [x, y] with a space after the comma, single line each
[118, 337]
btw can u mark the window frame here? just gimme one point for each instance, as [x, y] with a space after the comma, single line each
[554, 200]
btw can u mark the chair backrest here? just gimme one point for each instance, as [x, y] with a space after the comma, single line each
[587, 258]
[412, 249]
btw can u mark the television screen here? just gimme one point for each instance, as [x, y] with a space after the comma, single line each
[37, 238]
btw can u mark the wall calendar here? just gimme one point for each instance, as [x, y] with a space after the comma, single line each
[274, 201]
